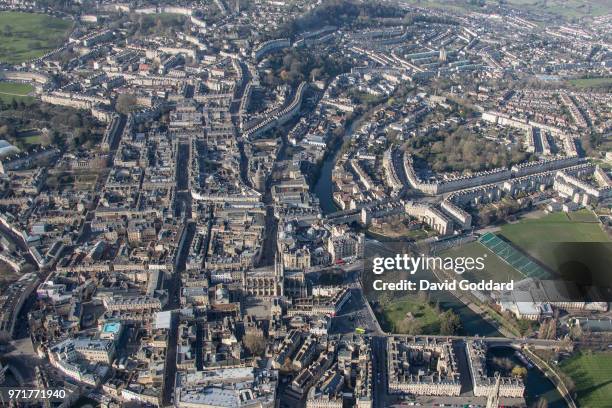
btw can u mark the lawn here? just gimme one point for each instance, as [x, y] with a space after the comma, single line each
[34, 139]
[533, 235]
[10, 91]
[495, 268]
[399, 233]
[423, 317]
[591, 82]
[85, 181]
[583, 215]
[24, 36]
[592, 375]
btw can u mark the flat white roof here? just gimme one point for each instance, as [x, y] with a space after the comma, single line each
[163, 319]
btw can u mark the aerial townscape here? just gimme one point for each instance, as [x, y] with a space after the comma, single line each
[189, 191]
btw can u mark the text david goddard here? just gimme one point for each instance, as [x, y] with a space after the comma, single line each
[452, 285]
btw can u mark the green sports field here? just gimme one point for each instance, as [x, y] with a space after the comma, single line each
[592, 375]
[531, 235]
[10, 91]
[24, 36]
[495, 268]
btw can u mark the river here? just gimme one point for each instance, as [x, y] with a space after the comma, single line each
[324, 188]
[536, 384]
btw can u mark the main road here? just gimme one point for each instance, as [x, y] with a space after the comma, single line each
[182, 205]
[379, 370]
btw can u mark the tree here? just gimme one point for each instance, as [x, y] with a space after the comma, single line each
[58, 139]
[519, 371]
[576, 332]
[548, 329]
[409, 327]
[450, 323]
[255, 344]
[384, 299]
[126, 103]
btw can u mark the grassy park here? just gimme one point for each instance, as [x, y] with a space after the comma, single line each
[24, 36]
[591, 82]
[10, 91]
[410, 315]
[591, 373]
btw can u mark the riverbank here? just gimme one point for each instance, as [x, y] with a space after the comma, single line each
[552, 376]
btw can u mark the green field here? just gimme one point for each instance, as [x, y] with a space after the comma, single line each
[531, 235]
[33, 139]
[10, 91]
[458, 6]
[583, 216]
[591, 82]
[592, 375]
[415, 235]
[564, 8]
[495, 268]
[424, 320]
[24, 36]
